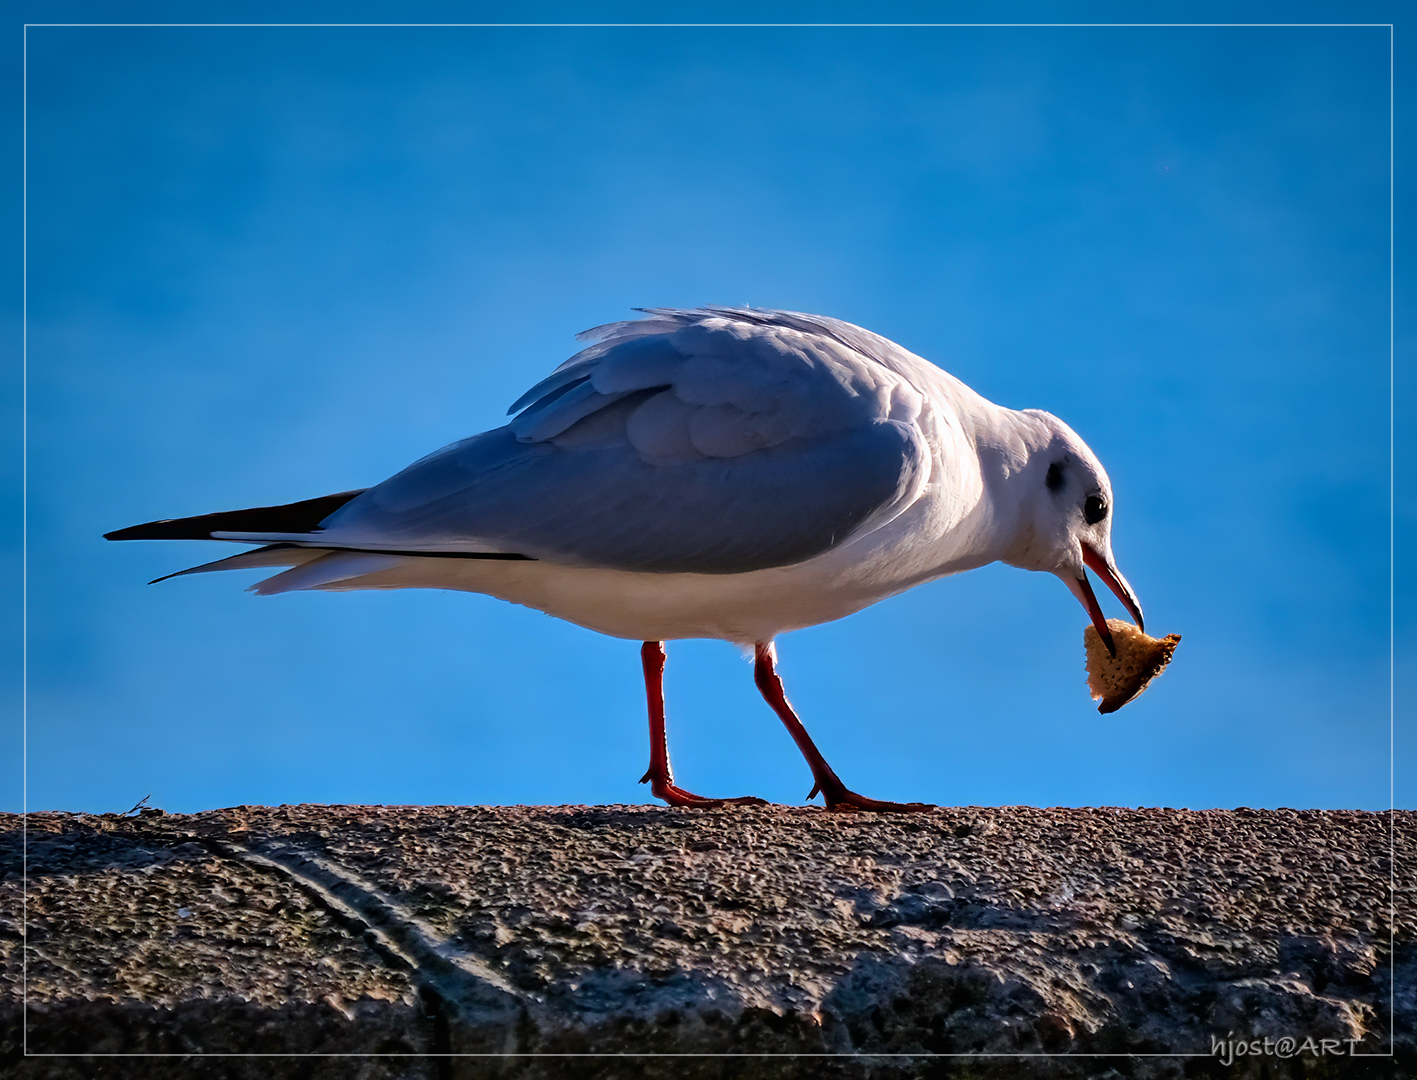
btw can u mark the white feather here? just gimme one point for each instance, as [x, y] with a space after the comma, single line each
[328, 569]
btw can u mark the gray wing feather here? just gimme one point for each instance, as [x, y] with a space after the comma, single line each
[686, 441]
[545, 420]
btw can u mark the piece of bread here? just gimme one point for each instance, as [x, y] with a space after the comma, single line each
[1139, 660]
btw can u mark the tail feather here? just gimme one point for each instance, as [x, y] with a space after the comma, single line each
[330, 568]
[296, 517]
[270, 555]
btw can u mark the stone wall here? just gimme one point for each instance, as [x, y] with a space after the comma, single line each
[481, 941]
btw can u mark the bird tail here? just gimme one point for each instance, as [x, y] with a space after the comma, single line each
[295, 528]
[297, 517]
[270, 555]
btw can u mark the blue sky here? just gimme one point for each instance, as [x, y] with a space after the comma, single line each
[265, 264]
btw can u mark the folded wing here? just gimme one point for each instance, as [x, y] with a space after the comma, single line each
[712, 441]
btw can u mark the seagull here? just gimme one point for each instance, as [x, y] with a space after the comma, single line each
[718, 473]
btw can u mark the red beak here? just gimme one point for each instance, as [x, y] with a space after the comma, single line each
[1114, 581]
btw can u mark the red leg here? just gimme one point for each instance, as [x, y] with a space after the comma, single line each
[660, 776]
[836, 794]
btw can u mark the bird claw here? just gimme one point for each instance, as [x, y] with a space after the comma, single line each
[854, 803]
[842, 800]
[677, 796]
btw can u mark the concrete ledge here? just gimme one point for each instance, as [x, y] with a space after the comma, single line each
[429, 934]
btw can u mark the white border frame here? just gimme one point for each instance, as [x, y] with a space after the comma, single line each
[1392, 460]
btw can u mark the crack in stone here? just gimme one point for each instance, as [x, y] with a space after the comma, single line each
[450, 982]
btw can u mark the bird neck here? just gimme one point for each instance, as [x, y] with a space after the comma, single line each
[1005, 442]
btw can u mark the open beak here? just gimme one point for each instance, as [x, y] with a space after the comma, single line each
[1110, 576]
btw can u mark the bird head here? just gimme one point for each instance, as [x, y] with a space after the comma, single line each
[1065, 502]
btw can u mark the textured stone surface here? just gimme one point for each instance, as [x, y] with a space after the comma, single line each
[416, 933]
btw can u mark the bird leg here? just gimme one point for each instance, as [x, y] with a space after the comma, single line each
[660, 776]
[836, 794]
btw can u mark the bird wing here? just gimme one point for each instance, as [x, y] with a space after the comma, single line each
[710, 441]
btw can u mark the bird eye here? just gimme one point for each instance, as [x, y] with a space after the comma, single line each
[1094, 509]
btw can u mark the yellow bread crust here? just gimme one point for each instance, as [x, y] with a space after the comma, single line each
[1139, 659]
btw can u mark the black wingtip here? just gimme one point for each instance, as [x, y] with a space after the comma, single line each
[303, 516]
[167, 529]
[134, 532]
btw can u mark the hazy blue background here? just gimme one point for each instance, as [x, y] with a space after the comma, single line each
[268, 264]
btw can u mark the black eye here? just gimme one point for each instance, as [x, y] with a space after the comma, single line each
[1094, 509]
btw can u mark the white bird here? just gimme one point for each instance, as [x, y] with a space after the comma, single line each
[718, 473]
